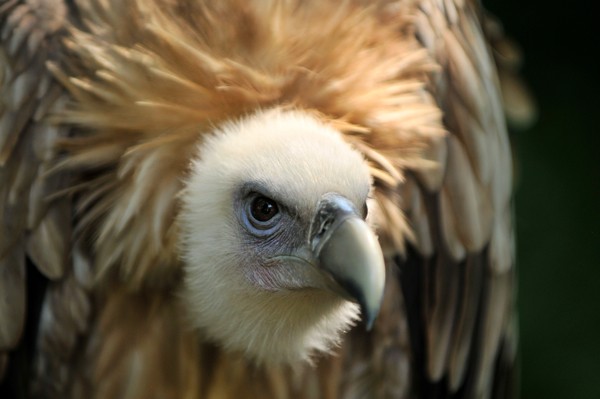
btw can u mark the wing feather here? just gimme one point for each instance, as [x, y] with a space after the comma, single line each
[465, 289]
[33, 225]
[12, 303]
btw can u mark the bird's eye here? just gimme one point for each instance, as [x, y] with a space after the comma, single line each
[261, 215]
[263, 209]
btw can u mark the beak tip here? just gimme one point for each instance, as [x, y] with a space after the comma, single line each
[369, 314]
[369, 320]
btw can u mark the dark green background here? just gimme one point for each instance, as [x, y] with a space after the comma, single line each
[558, 195]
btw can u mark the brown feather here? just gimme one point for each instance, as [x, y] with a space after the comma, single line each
[27, 33]
[467, 208]
[12, 305]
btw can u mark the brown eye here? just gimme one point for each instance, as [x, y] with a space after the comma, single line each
[263, 209]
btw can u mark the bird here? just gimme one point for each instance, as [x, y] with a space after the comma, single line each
[257, 199]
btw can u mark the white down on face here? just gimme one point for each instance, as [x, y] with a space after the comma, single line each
[242, 288]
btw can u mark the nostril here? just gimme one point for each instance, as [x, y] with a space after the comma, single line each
[325, 224]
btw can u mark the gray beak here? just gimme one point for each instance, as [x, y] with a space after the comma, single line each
[348, 251]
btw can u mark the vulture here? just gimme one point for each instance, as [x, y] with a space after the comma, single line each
[257, 199]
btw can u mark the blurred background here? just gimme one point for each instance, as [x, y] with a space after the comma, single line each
[558, 198]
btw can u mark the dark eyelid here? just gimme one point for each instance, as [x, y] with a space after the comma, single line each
[257, 187]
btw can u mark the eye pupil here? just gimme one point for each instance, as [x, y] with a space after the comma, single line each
[263, 209]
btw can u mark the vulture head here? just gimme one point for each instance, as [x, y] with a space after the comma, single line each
[279, 260]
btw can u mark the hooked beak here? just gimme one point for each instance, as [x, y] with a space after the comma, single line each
[348, 251]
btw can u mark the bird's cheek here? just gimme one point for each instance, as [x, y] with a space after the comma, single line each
[285, 273]
[261, 277]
